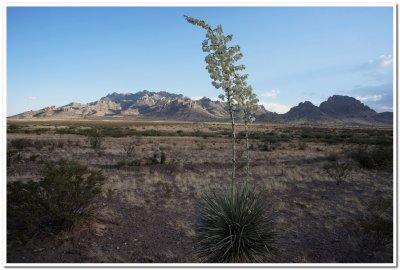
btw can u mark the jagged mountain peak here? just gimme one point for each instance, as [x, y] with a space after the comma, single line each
[306, 104]
[305, 111]
[345, 106]
[165, 105]
[118, 97]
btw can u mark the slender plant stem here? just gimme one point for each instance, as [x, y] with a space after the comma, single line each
[247, 148]
[233, 144]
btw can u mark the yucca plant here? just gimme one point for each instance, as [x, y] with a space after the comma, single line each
[247, 105]
[221, 59]
[234, 229]
[232, 225]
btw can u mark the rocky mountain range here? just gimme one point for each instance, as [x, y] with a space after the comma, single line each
[164, 105]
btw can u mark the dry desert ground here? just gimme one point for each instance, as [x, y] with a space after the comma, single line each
[157, 172]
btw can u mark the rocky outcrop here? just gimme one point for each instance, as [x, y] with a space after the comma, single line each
[164, 105]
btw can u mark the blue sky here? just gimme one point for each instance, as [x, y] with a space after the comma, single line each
[56, 55]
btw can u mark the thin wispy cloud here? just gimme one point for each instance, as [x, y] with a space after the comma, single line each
[275, 107]
[370, 97]
[379, 97]
[379, 69]
[272, 93]
[382, 61]
[379, 63]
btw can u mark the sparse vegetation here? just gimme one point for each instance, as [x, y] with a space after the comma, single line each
[295, 187]
[21, 143]
[371, 232]
[95, 139]
[372, 157]
[129, 149]
[12, 128]
[122, 163]
[302, 146]
[163, 158]
[201, 145]
[66, 194]
[339, 171]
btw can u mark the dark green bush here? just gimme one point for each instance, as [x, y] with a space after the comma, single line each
[67, 192]
[122, 163]
[382, 155]
[39, 144]
[339, 171]
[163, 158]
[372, 231]
[13, 127]
[198, 133]
[69, 130]
[39, 131]
[362, 156]
[234, 229]
[268, 147]
[371, 157]
[95, 139]
[302, 146]
[129, 149]
[377, 219]
[21, 143]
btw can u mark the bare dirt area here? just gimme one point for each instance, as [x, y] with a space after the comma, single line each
[156, 173]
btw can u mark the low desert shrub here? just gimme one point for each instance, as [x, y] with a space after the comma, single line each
[234, 228]
[332, 156]
[39, 144]
[21, 143]
[377, 220]
[362, 156]
[267, 146]
[371, 157]
[339, 171]
[199, 133]
[60, 143]
[166, 187]
[129, 149]
[11, 154]
[371, 232]
[67, 193]
[382, 155]
[163, 158]
[95, 139]
[302, 145]
[39, 131]
[122, 163]
[201, 145]
[13, 128]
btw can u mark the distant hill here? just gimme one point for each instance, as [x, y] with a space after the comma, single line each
[164, 105]
[337, 109]
[305, 111]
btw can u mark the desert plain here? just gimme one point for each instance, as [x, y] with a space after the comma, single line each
[157, 171]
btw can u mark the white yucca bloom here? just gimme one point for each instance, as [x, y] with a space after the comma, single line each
[216, 85]
[238, 56]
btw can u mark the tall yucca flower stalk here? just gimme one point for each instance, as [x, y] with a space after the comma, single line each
[232, 226]
[247, 105]
[220, 65]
